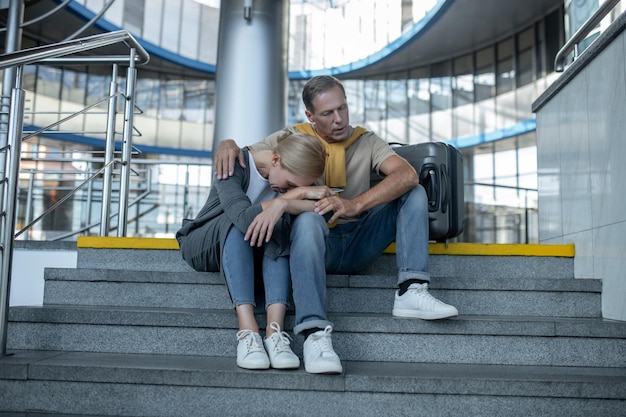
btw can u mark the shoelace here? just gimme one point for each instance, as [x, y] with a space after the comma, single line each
[252, 342]
[284, 340]
[322, 341]
[422, 292]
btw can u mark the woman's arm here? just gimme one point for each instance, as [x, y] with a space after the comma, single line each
[294, 201]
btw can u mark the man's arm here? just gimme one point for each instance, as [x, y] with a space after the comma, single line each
[399, 177]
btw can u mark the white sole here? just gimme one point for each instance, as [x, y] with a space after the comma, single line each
[415, 314]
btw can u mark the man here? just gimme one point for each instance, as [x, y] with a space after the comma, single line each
[362, 221]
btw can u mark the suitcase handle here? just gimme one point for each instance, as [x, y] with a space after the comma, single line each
[445, 188]
[429, 178]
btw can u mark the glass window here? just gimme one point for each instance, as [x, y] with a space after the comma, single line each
[29, 77]
[375, 102]
[525, 57]
[190, 29]
[147, 95]
[397, 108]
[74, 84]
[97, 87]
[441, 101]
[483, 168]
[554, 36]
[207, 45]
[171, 99]
[170, 30]
[463, 83]
[295, 112]
[195, 101]
[540, 49]
[441, 86]
[356, 100]
[153, 16]
[505, 67]
[485, 79]
[133, 15]
[463, 96]
[419, 105]
[49, 81]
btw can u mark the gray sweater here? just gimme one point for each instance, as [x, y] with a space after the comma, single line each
[200, 239]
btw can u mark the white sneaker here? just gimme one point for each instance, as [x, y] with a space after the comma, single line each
[250, 351]
[319, 356]
[279, 351]
[418, 303]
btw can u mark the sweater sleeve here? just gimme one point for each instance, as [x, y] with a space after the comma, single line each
[233, 199]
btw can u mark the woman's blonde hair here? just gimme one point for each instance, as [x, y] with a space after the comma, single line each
[301, 154]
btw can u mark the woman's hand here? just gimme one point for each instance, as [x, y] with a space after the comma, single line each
[261, 229]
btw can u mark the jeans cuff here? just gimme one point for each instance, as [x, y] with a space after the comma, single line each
[406, 275]
[285, 302]
[311, 324]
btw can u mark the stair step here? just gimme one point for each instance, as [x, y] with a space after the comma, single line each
[357, 336]
[170, 385]
[135, 332]
[467, 266]
[346, 293]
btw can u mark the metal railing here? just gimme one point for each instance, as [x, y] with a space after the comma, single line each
[163, 192]
[581, 34]
[60, 54]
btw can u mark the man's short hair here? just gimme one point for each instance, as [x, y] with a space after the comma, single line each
[318, 85]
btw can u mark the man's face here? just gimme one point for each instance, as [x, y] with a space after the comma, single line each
[331, 118]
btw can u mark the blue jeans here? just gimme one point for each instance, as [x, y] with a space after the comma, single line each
[238, 263]
[350, 247]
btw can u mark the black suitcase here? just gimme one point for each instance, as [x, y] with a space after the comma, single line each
[440, 169]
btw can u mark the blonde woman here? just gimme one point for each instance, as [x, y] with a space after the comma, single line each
[247, 217]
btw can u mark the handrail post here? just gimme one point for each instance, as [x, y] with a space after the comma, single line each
[29, 197]
[127, 146]
[14, 134]
[105, 214]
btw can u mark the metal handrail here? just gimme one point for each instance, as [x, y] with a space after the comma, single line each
[40, 53]
[581, 34]
[16, 61]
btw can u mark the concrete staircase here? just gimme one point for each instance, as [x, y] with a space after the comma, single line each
[133, 331]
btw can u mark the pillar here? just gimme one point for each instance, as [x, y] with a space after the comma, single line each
[251, 72]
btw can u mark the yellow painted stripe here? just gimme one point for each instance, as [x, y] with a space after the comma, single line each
[498, 249]
[126, 242]
[483, 249]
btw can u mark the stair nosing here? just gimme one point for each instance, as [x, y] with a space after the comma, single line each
[343, 322]
[391, 377]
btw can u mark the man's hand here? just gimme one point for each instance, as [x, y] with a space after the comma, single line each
[339, 207]
[314, 192]
[224, 159]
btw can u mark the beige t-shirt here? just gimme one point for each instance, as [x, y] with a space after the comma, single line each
[363, 158]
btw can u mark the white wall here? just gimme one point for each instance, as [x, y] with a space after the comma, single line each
[27, 273]
[581, 149]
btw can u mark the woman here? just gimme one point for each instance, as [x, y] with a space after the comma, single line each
[246, 217]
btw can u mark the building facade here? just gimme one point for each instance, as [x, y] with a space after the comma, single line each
[479, 101]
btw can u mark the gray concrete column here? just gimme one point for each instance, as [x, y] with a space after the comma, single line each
[251, 72]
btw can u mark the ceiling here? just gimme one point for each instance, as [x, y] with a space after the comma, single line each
[460, 26]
